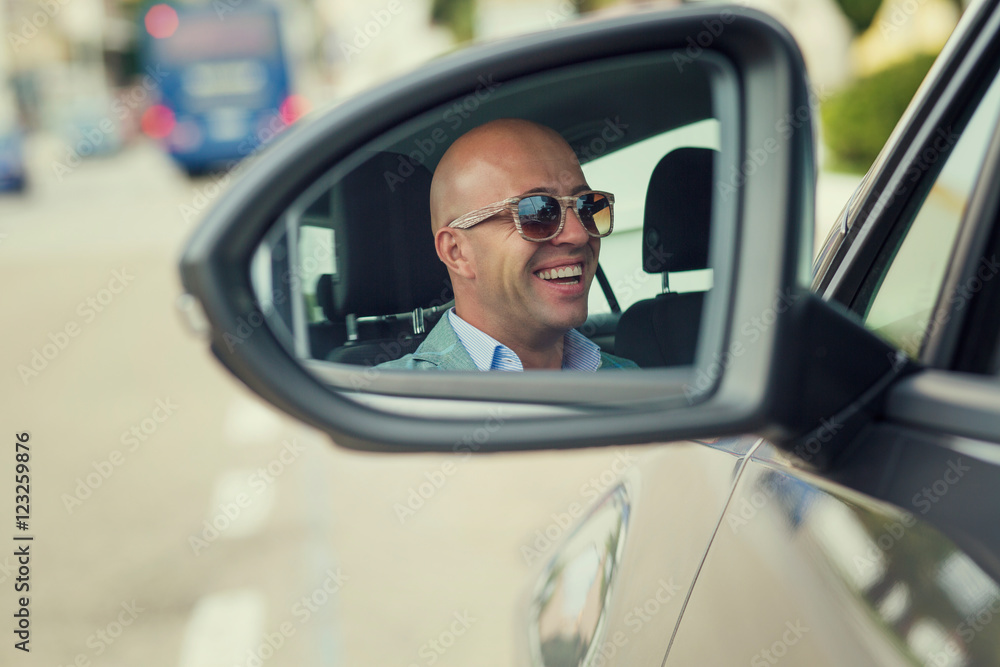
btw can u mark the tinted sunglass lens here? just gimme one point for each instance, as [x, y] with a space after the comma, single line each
[595, 212]
[539, 216]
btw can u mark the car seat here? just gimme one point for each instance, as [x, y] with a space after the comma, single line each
[390, 286]
[663, 331]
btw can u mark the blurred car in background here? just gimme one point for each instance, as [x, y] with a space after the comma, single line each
[13, 176]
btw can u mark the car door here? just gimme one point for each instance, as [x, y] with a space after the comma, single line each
[892, 559]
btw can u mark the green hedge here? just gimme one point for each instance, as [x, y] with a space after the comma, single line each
[858, 119]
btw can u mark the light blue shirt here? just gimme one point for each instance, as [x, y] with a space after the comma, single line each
[489, 354]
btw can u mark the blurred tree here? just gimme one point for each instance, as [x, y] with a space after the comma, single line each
[860, 13]
[583, 6]
[858, 119]
[458, 15]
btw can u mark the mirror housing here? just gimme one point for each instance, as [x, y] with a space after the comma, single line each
[769, 355]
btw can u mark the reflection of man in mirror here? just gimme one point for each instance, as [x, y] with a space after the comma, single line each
[519, 230]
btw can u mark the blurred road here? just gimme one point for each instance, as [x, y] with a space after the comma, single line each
[177, 519]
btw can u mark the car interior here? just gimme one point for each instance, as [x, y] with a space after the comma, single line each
[357, 260]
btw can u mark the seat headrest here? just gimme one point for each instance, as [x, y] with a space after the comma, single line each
[386, 262]
[678, 212]
[324, 295]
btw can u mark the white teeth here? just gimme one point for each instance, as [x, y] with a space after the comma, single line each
[561, 272]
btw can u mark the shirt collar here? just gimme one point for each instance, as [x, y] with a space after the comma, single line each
[489, 354]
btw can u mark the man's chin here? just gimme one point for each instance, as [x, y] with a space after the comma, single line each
[571, 321]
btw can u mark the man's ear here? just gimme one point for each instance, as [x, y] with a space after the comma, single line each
[455, 252]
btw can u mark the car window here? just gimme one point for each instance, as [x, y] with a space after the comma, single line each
[315, 259]
[900, 306]
[626, 173]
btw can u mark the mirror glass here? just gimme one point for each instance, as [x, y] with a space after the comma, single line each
[350, 277]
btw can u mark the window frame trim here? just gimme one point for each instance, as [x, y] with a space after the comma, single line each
[954, 79]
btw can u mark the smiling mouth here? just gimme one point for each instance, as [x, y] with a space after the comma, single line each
[563, 275]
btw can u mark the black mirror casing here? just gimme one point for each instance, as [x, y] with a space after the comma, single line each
[751, 360]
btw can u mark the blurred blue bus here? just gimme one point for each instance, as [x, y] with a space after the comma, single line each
[222, 79]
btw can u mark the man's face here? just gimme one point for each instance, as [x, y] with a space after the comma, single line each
[518, 303]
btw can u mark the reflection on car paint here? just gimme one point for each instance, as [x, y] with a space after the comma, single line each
[919, 586]
[568, 612]
[860, 581]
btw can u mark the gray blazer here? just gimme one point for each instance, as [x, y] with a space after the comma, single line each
[442, 350]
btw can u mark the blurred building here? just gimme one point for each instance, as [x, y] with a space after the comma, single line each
[902, 28]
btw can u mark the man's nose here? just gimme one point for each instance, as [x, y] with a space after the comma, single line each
[573, 232]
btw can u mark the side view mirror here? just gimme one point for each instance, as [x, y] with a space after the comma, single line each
[320, 263]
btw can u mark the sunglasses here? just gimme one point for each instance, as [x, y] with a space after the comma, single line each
[542, 217]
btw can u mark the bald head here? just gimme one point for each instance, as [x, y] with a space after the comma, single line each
[485, 165]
